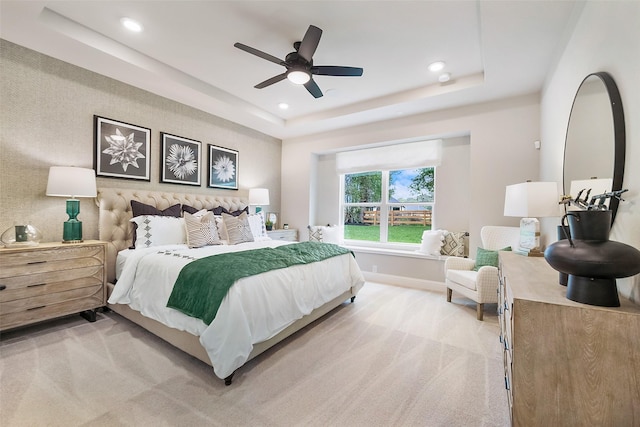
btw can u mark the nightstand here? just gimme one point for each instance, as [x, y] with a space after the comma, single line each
[51, 280]
[290, 234]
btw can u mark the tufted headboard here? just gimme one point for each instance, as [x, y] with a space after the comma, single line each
[114, 206]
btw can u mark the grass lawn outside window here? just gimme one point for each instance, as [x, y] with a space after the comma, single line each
[397, 233]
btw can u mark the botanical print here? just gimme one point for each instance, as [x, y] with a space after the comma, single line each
[121, 149]
[223, 167]
[180, 160]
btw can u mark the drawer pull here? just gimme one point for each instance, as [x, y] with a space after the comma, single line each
[36, 262]
[506, 383]
[3, 287]
[36, 308]
[36, 285]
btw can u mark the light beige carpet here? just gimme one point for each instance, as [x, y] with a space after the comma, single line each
[397, 357]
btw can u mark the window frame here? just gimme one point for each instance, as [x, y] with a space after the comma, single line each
[384, 205]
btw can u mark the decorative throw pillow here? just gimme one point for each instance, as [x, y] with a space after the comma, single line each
[218, 210]
[486, 257]
[332, 235]
[156, 230]
[315, 233]
[258, 227]
[432, 241]
[453, 243]
[139, 209]
[326, 234]
[201, 230]
[238, 228]
[222, 230]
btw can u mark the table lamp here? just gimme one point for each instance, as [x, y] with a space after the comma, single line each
[71, 182]
[530, 201]
[259, 197]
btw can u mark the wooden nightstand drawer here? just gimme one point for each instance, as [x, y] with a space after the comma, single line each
[290, 235]
[46, 312]
[50, 280]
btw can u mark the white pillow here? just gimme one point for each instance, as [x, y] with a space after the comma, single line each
[154, 230]
[432, 241]
[258, 228]
[332, 235]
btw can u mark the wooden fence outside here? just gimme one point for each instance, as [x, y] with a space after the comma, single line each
[398, 217]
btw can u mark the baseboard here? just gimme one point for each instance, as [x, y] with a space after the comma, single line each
[405, 282]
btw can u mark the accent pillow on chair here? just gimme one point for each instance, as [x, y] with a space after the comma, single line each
[478, 279]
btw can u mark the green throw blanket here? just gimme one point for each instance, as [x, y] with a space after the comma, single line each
[202, 284]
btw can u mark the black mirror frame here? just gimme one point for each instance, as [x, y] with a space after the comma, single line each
[619, 136]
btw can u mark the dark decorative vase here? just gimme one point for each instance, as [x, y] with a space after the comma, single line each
[563, 233]
[591, 260]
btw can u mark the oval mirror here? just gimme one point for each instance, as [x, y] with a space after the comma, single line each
[595, 140]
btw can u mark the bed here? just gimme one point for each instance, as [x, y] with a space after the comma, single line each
[244, 326]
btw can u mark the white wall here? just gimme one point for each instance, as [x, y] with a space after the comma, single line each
[606, 38]
[501, 153]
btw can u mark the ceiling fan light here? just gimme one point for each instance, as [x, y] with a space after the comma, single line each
[298, 77]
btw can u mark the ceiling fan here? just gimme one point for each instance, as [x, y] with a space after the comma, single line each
[299, 64]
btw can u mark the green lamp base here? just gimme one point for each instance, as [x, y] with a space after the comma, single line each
[72, 228]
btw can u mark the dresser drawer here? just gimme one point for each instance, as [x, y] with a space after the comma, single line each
[19, 287]
[46, 312]
[49, 260]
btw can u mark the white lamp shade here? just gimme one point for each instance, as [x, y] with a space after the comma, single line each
[259, 196]
[532, 200]
[71, 182]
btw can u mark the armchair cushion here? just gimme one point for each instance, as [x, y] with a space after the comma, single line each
[466, 278]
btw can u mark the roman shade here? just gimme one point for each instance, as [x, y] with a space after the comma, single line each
[419, 154]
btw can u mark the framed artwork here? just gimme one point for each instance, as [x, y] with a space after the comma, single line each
[180, 161]
[223, 168]
[121, 150]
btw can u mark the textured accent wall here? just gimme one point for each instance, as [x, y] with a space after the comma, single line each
[46, 119]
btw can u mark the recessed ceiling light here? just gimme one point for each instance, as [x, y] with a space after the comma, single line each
[131, 25]
[444, 77]
[436, 66]
[283, 106]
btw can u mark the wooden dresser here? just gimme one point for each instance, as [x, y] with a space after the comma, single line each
[51, 280]
[566, 363]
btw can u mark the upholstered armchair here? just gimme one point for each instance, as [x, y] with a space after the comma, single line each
[482, 285]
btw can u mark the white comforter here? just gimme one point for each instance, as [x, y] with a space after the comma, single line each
[255, 309]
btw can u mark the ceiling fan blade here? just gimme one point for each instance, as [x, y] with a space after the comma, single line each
[272, 80]
[313, 88]
[259, 53]
[310, 42]
[334, 70]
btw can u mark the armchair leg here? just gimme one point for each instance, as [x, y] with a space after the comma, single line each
[449, 292]
[479, 310]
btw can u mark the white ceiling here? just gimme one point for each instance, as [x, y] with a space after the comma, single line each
[493, 50]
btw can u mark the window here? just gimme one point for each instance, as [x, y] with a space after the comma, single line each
[388, 206]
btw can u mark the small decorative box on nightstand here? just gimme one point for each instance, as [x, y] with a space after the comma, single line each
[51, 280]
[290, 235]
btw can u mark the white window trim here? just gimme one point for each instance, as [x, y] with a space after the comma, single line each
[384, 212]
